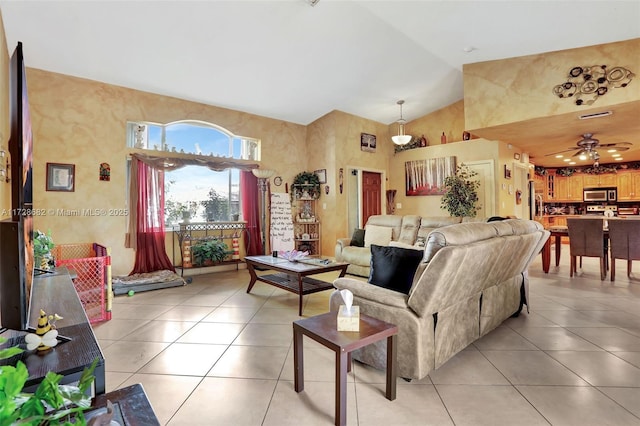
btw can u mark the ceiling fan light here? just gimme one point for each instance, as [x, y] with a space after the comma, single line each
[582, 157]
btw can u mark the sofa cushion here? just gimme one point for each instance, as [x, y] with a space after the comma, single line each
[393, 267]
[406, 246]
[379, 235]
[357, 239]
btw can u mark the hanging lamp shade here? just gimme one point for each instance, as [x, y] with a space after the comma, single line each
[401, 138]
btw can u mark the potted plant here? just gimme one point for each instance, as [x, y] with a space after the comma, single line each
[208, 252]
[52, 403]
[42, 246]
[461, 197]
[306, 186]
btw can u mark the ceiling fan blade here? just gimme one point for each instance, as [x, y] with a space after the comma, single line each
[560, 152]
[619, 148]
[616, 144]
[582, 151]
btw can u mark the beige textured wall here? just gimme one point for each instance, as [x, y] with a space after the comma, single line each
[334, 143]
[449, 120]
[5, 130]
[83, 122]
[517, 89]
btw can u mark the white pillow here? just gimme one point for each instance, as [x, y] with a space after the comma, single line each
[378, 235]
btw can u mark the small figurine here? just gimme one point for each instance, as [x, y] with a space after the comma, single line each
[46, 335]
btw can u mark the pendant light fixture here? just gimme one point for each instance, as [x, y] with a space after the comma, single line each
[401, 138]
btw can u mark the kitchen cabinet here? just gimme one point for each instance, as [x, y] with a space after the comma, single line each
[599, 181]
[567, 188]
[628, 183]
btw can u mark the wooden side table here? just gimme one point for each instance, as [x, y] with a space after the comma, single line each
[323, 329]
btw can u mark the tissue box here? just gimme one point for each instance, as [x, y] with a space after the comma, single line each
[349, 320]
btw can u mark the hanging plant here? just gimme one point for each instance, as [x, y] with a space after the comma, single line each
[460, 198]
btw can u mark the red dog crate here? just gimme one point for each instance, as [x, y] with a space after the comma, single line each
[91, 265]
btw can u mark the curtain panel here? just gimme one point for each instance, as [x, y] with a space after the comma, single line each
[149, 233]
[250, 194]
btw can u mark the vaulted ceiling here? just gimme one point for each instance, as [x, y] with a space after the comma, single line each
[296, 62]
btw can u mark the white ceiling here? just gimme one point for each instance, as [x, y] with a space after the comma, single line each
[291, 61]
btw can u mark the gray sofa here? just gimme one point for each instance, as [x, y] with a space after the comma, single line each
[406, 230]
[473, 276]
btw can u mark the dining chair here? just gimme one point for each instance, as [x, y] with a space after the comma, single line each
[624, 235]
[586, 238]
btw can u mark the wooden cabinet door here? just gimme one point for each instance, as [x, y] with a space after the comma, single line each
[561, 188]
[609, 179]
[636, 185]
[591, 181]
[575, 187]
[625, 186]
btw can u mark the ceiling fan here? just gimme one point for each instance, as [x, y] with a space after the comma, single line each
[586, 148]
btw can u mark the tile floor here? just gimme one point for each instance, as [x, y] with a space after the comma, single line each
[211, 354]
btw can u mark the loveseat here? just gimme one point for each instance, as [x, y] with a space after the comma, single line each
[407, 230]
[472, 277]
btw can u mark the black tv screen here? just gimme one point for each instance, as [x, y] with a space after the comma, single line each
[16, 237]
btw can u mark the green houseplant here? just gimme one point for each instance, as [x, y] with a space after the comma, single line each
[42, 246]
[461, 193]
[209, 251]
[51, 404]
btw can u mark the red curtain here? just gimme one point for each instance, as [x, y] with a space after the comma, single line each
[150, 251]
[251, 212]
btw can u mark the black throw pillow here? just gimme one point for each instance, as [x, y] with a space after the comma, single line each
[357, 240]
[394, 267]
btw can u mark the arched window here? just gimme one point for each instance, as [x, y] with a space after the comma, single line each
[196, 193]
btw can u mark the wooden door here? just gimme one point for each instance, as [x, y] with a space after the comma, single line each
[371, 195]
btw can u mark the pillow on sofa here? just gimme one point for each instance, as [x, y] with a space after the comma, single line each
[394, 267]
[357, 239]
[378, 235]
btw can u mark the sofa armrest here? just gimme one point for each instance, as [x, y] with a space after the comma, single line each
[340, 245]
[364, 290]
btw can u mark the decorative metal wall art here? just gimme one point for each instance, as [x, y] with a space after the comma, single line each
[586, 84]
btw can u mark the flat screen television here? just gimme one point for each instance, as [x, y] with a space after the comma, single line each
[16, 234]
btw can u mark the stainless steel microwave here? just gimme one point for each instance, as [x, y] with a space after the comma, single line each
[597, 195]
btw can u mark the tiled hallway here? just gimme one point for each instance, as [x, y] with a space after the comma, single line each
[211, 354]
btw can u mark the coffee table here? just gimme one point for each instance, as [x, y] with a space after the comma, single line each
[324, 329]
[292, 276]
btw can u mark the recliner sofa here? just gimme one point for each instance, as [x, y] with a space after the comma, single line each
[473, 276]
[406, 230]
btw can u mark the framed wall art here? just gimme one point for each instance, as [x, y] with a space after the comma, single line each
[426, 177]
[61, 177]
[367, 142]
[507, 172]
[322, 175]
